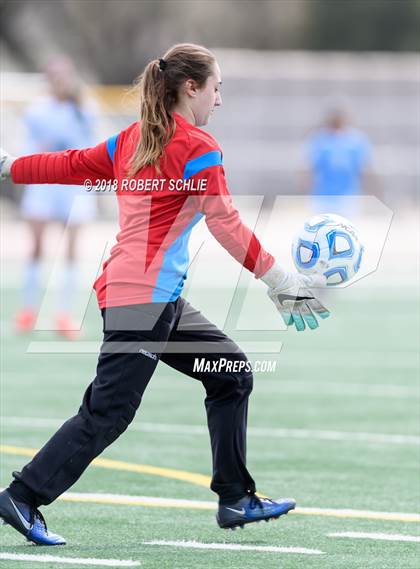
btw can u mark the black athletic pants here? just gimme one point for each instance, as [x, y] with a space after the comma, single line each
[136, 337]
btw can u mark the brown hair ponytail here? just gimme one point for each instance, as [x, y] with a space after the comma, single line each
[159, 86]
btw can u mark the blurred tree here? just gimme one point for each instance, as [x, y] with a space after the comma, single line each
[364, 25]
[111, 40]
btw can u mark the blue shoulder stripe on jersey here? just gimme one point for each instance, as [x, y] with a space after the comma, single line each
[212, 158]
[111, 145]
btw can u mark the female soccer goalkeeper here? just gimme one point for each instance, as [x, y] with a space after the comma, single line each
[145, 318]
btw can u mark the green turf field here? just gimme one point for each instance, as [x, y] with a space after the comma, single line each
[335, 427]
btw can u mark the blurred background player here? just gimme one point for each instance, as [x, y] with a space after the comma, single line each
[337, 156]
[58, 122]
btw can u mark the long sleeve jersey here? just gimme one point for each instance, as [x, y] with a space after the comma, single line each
[157, 210]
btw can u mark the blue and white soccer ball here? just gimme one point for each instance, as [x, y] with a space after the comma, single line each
[328, 245]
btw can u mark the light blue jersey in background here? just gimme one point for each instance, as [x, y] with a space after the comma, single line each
[337, 159]
[53, 126]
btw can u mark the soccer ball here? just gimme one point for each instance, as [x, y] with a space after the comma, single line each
[328, 245]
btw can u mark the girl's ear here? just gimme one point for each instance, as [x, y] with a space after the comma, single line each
[191, 88]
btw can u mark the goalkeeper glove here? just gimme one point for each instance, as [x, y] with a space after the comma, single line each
[6, 161]
[290, 294]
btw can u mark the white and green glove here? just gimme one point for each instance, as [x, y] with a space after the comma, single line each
[6, 161]
[290, 294]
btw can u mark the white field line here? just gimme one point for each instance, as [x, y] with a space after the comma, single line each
[321, 388]
[377, 536]
[263, 432]
[331, 389]
[69, 560]
[151, 501]
[339, 389]
[360, 514]
[235, 547]
[158, 502]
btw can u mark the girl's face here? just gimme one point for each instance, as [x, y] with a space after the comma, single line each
[204, 100]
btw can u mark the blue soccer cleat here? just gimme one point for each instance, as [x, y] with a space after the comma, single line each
[27, 521]
[252, 509]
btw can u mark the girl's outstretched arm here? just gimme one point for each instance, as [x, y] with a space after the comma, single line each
[68, 167]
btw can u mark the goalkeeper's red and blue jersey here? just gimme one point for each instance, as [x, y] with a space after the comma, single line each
[157, 210]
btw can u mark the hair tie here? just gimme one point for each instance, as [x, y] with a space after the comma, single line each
[162, 64]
